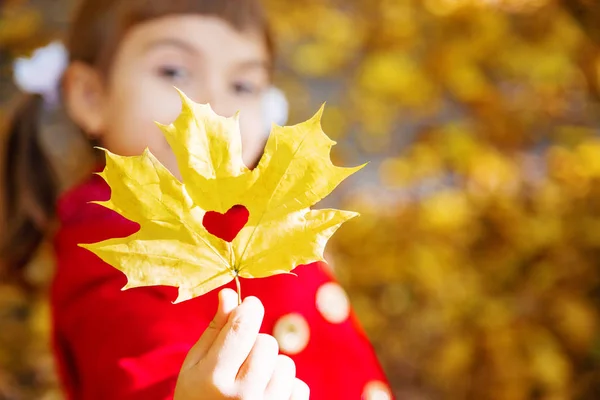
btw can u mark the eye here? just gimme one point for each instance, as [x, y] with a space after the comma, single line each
[173, 73]
[245, 88]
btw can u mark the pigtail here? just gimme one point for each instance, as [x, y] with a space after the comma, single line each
[30, 189]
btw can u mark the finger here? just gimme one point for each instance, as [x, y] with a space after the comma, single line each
[256, 372]
[235, 341]
[227, 303]
[281, 385]
[301, 390]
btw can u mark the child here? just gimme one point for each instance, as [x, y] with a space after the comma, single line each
[125, 58]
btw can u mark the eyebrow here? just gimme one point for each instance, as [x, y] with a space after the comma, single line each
[243, 65]
[172, 42]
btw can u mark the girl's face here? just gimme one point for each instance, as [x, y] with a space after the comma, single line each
[203, 56]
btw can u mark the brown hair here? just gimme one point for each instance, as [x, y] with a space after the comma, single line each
[31, 186]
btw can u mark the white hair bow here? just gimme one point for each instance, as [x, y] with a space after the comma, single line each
[42, 72]
[275, 108]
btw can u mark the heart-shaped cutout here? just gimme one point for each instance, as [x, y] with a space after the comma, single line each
[226, 226]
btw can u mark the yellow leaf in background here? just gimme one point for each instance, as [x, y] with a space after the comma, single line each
[224, 220]
[18, 24]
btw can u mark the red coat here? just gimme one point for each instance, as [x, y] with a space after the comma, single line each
[114, 344]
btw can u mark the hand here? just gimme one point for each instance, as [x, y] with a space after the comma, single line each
[233, 361]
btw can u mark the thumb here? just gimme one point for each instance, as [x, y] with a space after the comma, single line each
[228, 301]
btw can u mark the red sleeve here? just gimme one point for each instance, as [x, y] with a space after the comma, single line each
[115, 344]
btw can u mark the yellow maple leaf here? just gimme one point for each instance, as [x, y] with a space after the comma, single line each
[223, 221]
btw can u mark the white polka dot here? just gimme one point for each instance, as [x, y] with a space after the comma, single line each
[376, 390]
[333, 303]
[292, 333]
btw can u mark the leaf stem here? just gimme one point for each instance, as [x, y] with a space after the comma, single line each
[239, 289]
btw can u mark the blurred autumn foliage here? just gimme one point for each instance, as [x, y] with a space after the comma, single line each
[487, 287]
[475, 266]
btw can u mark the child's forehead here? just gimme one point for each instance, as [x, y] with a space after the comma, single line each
[201, 36]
